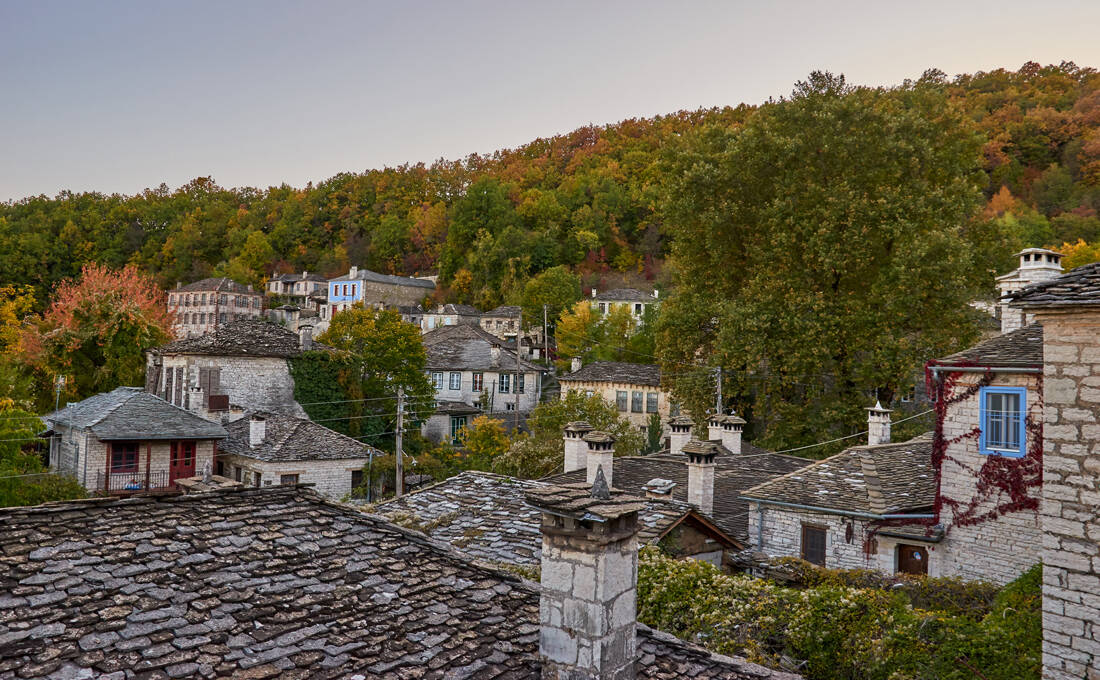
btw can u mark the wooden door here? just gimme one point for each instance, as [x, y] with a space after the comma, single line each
[182, 462]
[912, 560]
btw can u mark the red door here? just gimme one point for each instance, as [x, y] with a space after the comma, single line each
[182, 463]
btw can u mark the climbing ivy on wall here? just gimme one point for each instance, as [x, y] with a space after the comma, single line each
[322, 387]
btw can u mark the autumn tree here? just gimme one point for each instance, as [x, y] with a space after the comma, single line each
[16, 383]
[484, 442]
[823, 252]
[556, 289]
[95, 332]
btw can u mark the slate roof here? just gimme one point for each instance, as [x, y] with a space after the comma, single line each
[625, 295]
[291, 278]
[511, 311]
[484, 515]
[268, 582]
[464, 347]
[219, 285]
[455, 408]
[617, 372]
[132, 413]
[288, 438]
[1080, 286]
[248, 337]
[368, 275]
[733, 474]
[878, 480]
[1022, 348]
[451, 308]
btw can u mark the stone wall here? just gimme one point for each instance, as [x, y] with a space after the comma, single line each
[988, 535]
[1071, 496]
[91, 462]
[254, 383]
[331, 478]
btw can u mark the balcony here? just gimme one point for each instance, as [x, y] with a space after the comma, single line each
[132, 482]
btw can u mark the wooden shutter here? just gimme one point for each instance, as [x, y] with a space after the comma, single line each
[813, 544]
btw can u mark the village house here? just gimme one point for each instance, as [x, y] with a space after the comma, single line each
[634, 389]
[633, 299]
[1068, 309]
[264, 449]
[374, 291]
[504, 321]
[709, 474]
[447, 420]
[128, 441]
[305, 290]
[449, 315]
[240, 366]
[205, 305]
[484, 515]
[469, 366]
[279, 582]
[961, 501]
[1036, 265]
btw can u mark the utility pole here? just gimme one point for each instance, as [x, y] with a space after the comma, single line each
[718, 403]
[545, 337]
[400, 467]
[515, 389]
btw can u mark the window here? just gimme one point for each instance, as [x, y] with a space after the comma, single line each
[256, 479]
[222, 299]
[638, 309]
[479, 381]
[284, 479]
[202, 317]
[356, 484]
[437, 380]
[237, 474]
[456, 381]
[813, 544]
[651, 402]
[519, 383]
[124, 456]
[172, 300]
[505, 383]
[188, 302]
[620, 400]
[603, 308]
[636, 402]
[221, 317]
[1002, 421]
[202, 299]
[457, 423]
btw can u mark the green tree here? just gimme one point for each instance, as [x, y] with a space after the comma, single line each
[384, 354]
[557, 288]
[24, 478]
[541, 452]
[822, 251]
[484, 441]
[653, 431]
[252, 265]
[579, 333]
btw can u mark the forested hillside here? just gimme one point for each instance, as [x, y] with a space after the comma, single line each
[590, 199]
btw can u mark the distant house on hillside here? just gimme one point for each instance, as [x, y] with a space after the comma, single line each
[633, 299]
[205, 305]
[634, 389]
[374, 290]
[449, 315]
[304, 290]
[239, 366]
[128, 441]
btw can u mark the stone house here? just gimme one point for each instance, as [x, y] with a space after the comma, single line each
[449, 315]
[127, 441]
[374, 290]
[280, 582]
[305, 290]
[203, 306]
[633, 299]
[447, 420]
[505, 321]
[1068, 309]
[709, 474]
[634, 389]
[472, 367]
[961, 501]
[265, 449]
[484, 515]
[1036, 264]
[240, 366]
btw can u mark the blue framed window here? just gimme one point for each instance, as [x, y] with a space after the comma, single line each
[1003, 411]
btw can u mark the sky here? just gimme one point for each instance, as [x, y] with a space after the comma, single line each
[121, 96]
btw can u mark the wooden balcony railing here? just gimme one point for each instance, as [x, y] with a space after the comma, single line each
[132, 482]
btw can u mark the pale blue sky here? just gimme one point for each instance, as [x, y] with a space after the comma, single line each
[119, 96]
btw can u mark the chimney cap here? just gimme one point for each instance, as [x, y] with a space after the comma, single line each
[734, 419]
[599, 437]
[701, 451]
[576, 501]
[579, 426]
[659, 486]
[877, 408]
[681, 420]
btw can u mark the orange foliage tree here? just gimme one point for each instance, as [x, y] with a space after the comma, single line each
[96, 330]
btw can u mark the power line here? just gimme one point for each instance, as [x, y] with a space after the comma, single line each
[857, 434]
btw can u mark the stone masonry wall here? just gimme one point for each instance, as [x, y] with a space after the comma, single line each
[1071, 496]
[608, 390]
[96, 453]
[331, 478]
[987, 538]
[255, 383]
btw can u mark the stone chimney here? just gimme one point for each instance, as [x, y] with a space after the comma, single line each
[575, 364]
[714, 427]
[593, 292]
[601, 451]
[353, 272]
[305, 337]
[701, 474]
[878, 424]
[656, 293]
[680, 433]
[659, 489]
[494, 353]
[576, 448]
[732, 426]
[588, 599]
[196, 401]
[179, 284]
[257, 430]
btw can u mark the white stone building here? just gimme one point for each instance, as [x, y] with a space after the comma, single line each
[634, 389]
[265, 449]
[635, 300]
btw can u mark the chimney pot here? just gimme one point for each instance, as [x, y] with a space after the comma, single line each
[257, 431]
[878, 425]
[701, 467]
[196, 401]
[732, 427]
[353, 272]
[575, 364]
[659, 489]
[601, 452]
[305, 338]
[679, 433]
[575, 448]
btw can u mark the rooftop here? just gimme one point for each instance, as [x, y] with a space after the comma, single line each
[878, 480]
[132, 413]
[617, 372]
[218, 285]
[304, 276]
[625, 295]
[1022, 348]
[512, 311]
[249, 337]
[484, 515]
[464, 347]
[289, 438]
[367, 275]
[451, 308]
[269, 582]
[733, 474]
[1078, 287]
